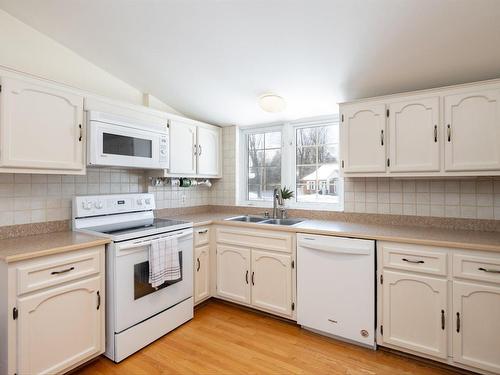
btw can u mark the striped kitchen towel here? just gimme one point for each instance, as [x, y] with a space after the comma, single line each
[164, 262]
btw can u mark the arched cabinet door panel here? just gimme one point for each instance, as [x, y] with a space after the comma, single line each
[472, 131]
[414, 135]
[476, 325]
[41, 127]
[233, 273]
[414, 309]
[272, 281]
[201, 273]
[364, 138]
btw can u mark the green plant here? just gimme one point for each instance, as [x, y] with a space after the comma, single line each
[286, 193]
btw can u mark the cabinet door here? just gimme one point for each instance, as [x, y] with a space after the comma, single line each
[476, 326]
[472, 131]
[414, 138]
[272, 282]
[364, 138]
[183, 149]
[233, 273]
[201, 273]
[414, 312]
[41, 127]
[208, 151]
[59, 327]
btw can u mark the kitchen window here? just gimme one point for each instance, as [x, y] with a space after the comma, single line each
[301, 155]
[263, 167]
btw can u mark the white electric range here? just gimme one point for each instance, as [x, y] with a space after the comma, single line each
[136, 313]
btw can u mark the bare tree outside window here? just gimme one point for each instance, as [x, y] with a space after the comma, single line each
[264, 164]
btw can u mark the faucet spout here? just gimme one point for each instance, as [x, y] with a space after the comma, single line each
[277, 200]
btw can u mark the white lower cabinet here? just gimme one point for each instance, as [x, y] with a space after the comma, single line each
[272, 281]
[201, 273]
[476, 315]
[59, 327]
[414, 312]
[256, 268]
[233, 273]
[53, 312]
[440, 303]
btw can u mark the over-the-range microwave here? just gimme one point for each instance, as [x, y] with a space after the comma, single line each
[116, 141]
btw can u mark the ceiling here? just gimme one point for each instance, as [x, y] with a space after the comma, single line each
[211, 59]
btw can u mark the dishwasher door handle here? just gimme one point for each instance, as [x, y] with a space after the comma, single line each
[334, 249]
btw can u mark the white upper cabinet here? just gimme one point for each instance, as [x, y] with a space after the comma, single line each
[208, 150]
[41, 129]
[472, 125]
[450, 131]
[364, 138]
[194, 149]
[414, 135]
[183, 148]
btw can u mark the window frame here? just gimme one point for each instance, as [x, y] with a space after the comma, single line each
[288, 163]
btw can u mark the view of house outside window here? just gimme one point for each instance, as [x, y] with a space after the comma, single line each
[317, 167]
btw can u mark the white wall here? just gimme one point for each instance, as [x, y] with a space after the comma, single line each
[24, 49]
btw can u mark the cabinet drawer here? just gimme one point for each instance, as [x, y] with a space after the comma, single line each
[201, 236]
[256, 239]
[475, 267]
[425, 259]
[57, 269]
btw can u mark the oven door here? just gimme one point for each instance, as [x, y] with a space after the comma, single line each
[116, 145]
[135, 299]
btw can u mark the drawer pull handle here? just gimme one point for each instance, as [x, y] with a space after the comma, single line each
[198, 266]
[332, 321]
[203, 231]
[62, 271]
[442, 320]
[413, 261]
[487, 270]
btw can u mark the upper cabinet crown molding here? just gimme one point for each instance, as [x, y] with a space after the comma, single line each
[451, 131]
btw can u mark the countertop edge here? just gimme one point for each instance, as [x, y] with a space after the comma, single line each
[405, 239]
[55, 250]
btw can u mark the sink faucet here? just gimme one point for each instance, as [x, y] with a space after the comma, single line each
[277, 200]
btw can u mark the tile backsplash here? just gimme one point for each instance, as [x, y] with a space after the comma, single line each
[466, 198]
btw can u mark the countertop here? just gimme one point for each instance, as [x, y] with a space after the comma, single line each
[22, 248]
[472, 240]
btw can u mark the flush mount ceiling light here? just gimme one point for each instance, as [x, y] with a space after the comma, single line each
[272, 103]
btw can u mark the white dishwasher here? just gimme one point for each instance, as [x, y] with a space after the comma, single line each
[336, 287]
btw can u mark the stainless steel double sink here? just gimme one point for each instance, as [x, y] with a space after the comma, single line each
[263, 220]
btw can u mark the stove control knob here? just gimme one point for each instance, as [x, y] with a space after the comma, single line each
[148, 200]
[87, 205]
[139, 202]
[99, 205]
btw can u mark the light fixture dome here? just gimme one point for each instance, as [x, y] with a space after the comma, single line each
[272, 103]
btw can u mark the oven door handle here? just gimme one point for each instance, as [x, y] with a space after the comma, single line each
[140, 243]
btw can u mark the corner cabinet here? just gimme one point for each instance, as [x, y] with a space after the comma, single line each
[53, 312]
[441, 304]
[256, 268]
[452, 131]
[195, 149]
[35, 117]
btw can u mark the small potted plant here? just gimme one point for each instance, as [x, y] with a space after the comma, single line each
[286, 194]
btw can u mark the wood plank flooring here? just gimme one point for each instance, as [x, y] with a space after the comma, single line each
[224, 339]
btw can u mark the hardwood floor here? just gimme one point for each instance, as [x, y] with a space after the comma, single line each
[224, 339]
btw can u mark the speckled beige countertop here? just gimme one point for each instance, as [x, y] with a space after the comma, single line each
[463, 239]
[22, 248]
